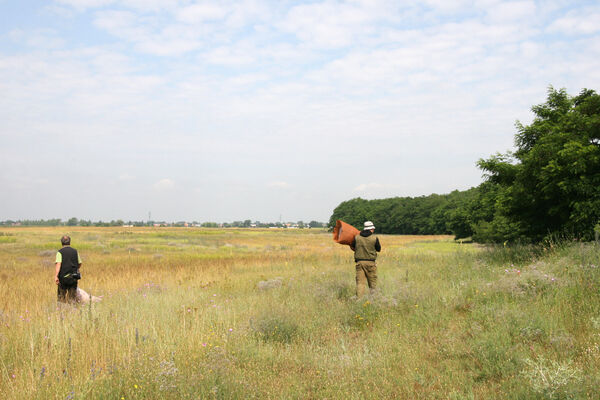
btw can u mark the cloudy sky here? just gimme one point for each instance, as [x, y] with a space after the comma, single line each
[229, 110]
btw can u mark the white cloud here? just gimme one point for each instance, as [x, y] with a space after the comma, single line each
[39, 38]
[83, 4]
[447, 7]
[278, 184]
[231, 91]
[126, 177]
[164, 184]
[150, 35]
[201, 12]
[141, 5]
[330, 24]
[373, 186]
[230, 56]
[512, 10]
[575, 23]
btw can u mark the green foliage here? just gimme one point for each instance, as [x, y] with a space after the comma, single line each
[7, 239]
[548, 187]
[551, 183]
[363, 314]
[35, 222]
[315, 224]
[276, 328]
[553, 379]
[426, 215]
[72, 222]
[517, 253]
[493, 356]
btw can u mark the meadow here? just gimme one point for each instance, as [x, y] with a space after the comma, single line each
[271, 314]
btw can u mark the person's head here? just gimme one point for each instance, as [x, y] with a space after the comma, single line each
[65, 240]
[369, 226]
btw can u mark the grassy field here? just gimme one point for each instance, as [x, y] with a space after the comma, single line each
[271, 314]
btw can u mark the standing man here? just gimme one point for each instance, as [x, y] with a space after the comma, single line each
[68, 263]
[366, 246]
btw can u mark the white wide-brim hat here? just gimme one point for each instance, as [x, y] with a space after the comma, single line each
[368, 226]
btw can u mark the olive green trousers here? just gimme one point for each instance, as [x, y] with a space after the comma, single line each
[366, 273]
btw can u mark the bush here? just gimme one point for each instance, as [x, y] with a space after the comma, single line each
[494, 355]
[276, 328]
[363, 314]
[552, 379]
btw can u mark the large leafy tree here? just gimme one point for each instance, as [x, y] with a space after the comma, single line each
[551, 183]
[405, 215]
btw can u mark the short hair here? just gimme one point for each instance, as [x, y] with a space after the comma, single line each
[65, 240]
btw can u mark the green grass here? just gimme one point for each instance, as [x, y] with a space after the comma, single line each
[202, 313]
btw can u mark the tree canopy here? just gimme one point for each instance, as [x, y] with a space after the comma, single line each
[551, 183]
[425, 215]
[548, 186]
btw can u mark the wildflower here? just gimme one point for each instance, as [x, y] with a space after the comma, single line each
[230, 329]
[135, 386]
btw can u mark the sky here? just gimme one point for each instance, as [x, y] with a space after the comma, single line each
[267, 110]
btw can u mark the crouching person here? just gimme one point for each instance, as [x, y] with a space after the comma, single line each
[66, 274]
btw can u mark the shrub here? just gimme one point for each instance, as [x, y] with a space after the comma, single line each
[494, 355]
[552, 379]
[515, 253]
[276, 328]
[363, 314]
[270, 284]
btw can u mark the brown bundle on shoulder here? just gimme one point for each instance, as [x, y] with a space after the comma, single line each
[344, 233]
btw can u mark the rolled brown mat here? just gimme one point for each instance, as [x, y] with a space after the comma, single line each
[344, 233]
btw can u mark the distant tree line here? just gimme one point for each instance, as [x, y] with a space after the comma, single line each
[548, 187]
[426, 215]
[119, 222]
[69, 222]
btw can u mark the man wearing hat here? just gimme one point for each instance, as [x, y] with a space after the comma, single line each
[366, 246]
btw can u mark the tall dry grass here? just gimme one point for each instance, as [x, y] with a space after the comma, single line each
[208, 313]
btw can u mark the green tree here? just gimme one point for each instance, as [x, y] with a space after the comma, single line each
[551, 184]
